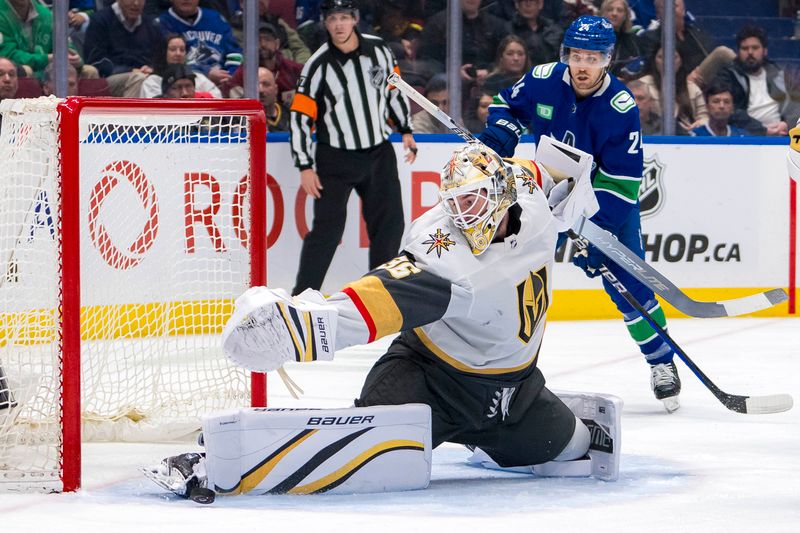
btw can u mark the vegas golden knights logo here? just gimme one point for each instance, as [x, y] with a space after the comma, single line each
[532, 302]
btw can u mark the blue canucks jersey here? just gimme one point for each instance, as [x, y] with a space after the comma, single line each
[210, 42]
[604, 124]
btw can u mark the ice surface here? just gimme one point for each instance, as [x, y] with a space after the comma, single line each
[702, 468]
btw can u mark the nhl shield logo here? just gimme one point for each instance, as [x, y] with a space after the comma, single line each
[377, 77]
[651, 191]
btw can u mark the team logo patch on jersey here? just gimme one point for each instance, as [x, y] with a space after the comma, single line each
[623, 102]
[651, 191]
[530, 182]
[377, 77]
[439, 241]
[543, 71]
[544, 111]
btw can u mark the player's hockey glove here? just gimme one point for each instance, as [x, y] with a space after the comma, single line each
[793, 155]
[269, 328]
[589, 260]
[502, 137]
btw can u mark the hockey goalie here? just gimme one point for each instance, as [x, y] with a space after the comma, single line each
[468, 296]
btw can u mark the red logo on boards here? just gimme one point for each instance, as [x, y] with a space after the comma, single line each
[112, 175]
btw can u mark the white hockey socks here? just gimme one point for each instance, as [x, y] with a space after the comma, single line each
[310, 451]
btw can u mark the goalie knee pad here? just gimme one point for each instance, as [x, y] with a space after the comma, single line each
[601, 413]
[305, 451]
[597, 428]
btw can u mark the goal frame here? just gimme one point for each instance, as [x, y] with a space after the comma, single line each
[69, 112]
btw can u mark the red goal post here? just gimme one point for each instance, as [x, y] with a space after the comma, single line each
[128, 227]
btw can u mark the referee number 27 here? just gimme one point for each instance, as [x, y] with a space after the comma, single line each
[636, 142]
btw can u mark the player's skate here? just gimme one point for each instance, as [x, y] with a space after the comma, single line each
[184, 474]
[666, 384]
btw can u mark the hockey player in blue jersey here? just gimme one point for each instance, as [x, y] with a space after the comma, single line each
[578, 102]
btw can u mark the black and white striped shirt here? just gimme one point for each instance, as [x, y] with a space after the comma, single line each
[346, 98]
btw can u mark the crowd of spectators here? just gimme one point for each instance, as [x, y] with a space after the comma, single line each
[131, 44]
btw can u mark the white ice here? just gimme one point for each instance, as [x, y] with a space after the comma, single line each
[702, 468]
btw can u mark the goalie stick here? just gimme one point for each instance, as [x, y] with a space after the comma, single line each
[751, 405]
[618, 253]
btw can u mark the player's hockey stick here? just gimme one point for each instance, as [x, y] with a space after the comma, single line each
[649, 276]
[395, 79]
[755, 405]
[617, 252]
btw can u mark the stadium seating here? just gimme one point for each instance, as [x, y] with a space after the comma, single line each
[742, 8]
[28, 88]
[93, 87]
[284, 9]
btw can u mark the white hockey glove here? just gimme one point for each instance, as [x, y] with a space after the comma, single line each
[268, 328]
[572, 198]
[793, 155]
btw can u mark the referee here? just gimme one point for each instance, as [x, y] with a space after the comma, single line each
[342, 94]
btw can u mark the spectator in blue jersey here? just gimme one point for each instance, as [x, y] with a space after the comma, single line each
[213, 49]
[578, 102]
[719, 101]
[119, 42]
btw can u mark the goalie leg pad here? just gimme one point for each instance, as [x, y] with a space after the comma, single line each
[601, 413]
[309, 451]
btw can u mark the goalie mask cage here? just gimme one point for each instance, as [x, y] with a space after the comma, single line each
[127, 229]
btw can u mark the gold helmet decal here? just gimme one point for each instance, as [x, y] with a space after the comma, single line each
[476, 191]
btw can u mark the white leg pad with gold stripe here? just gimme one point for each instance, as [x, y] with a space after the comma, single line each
[307, 451]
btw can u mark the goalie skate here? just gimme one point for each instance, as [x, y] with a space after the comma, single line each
[183, 475]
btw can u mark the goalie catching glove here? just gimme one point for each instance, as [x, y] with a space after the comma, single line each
[269, 328]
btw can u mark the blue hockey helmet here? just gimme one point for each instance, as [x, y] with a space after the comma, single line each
[589, 32]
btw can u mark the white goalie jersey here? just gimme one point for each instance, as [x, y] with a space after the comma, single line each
[479, 314]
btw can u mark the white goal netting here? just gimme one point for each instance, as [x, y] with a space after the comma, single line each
[163, 214]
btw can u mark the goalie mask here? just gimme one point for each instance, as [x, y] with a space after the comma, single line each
[476, 189]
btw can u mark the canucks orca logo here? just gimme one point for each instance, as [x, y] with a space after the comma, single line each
[651, 191]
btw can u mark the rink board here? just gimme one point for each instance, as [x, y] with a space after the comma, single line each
[715, 220]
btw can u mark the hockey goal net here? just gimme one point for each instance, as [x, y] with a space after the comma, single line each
[127, 229]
